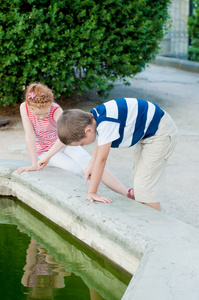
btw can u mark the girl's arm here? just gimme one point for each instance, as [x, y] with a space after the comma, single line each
[58, 145]
[30, 139]
[101, 155]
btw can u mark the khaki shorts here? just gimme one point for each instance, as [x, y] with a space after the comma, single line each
[150, 158]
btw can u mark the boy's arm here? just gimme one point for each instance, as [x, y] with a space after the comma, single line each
[88, 169]
[30, 140]
[99, 163]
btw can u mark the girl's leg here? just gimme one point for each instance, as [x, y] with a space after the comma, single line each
[113, 183]
[79, 155]
[82, 157]
[63, 161]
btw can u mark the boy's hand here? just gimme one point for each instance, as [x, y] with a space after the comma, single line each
[42, 163]
[87, 173]
[26, 169]
[95, 197]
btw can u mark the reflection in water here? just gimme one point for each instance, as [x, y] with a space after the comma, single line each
[42, 273]
[48, 263]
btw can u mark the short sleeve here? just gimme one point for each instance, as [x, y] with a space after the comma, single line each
[107, 132]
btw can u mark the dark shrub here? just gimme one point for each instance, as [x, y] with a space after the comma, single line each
[193, 30]
[75, 44]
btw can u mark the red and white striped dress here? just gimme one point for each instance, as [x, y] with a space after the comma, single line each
[45, 130]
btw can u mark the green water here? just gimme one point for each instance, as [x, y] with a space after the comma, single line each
[40, 261]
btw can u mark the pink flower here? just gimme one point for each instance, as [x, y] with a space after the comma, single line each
[31, 95]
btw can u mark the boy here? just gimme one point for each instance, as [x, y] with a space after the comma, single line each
[123, 122]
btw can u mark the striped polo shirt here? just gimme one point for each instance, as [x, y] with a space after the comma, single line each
[45, 130]
[125, 121]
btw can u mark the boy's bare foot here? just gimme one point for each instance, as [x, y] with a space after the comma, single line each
[154, 205]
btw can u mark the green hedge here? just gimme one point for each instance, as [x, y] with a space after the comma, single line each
[46, 40]
[193, 30]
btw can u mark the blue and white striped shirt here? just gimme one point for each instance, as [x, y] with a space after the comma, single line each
[125, 121]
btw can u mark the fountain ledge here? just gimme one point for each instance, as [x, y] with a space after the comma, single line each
[161, 252]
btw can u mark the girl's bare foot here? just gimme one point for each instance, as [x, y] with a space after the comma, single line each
[130, 194]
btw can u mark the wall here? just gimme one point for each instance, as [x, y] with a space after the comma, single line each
[175, 42]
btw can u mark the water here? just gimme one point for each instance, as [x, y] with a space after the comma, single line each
[40, 261]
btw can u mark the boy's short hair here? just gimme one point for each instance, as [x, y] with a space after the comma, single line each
[71, 125]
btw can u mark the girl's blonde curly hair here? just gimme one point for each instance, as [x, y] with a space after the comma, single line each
[39, 96]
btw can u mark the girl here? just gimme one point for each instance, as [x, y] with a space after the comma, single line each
[39, 115]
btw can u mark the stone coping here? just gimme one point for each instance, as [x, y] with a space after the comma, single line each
[183, 64]
[161, 252]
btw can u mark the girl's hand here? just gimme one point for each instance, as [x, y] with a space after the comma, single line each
[95, 197]
[27, 169]
[42, 163]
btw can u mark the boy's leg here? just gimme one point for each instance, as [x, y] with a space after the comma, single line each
[148, 173]
[152, 161]
[154, 205]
